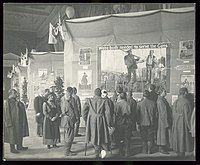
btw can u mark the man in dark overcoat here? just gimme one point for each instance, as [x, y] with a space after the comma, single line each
[14, 129]
[96, 114]
[39, 116]
[78, 103]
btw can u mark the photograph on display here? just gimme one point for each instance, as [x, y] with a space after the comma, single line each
[43, 73]
[85, 80]
[186, 50]
[85, 56]
[188, 81]
[134, 66]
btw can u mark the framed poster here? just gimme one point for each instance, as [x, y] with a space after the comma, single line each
[85, 56]
[85, 80]
[188, 81]
[186, 50]
[134, 66]
[43, 75]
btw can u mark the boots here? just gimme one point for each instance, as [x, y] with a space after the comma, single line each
[12, 149]
[145, 148]
[149, 150]
[67, 149]
[162, 150]
[121, 148]
[97, 152]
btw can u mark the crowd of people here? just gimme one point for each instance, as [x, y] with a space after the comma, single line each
[110, 122]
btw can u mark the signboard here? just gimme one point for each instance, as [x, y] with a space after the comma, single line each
[186, 50]
[85, 56]
[185, 67]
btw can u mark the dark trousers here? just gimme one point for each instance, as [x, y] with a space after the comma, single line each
[123, 139]
[68, 138]
[149, 74]
[40, 129]
[147, 134]
[76, 127]
[131, 70]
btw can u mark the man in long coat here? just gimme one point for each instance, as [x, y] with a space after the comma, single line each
[96, 114]
[69, 117]
[14, 122]
[181, 136]
[146, 118]
[164, 122]
[39, 116]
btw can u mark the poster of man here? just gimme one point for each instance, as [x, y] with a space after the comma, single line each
[85, 79]
[186, 50]
[84, 57]
[188, 81]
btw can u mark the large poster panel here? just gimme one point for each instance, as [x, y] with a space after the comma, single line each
[85, 80]
[134, 66]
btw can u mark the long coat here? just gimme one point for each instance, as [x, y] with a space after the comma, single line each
[164, 121]
[38, 106]
[96, 114]
[14, 121]
[51, 132]
[146, 113]
[181, 137]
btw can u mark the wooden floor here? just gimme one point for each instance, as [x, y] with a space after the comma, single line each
[38, 151]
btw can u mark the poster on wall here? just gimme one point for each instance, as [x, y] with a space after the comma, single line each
[43, 75]
[85, 80]
[134, 66]
[188, 81]
[186, 50]
[85, 56]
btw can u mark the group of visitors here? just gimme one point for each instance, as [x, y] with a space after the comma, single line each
[110, 122]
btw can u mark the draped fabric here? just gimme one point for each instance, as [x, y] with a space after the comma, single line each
[169, 25]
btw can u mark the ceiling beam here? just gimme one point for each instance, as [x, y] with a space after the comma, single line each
[26, 10]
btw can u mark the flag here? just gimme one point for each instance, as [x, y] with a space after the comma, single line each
[52, 37]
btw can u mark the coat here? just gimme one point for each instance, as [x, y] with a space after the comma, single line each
[38, 107]
[70, 112]
[50, 128]
[146, 113]
[122, 113]
[14, 121]
[96, 114]
[181, 136]
[78, 103]
[164, 121]
[193, 124]
[133, 106]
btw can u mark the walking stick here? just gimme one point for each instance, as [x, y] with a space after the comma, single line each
[85, 148]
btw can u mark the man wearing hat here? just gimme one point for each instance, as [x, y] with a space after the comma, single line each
[131, 61]
[146, 118]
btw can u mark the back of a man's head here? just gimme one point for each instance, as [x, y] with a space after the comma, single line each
[183, 91]
[119, 89]
[152, 87]
[146, 94]
[97, 92]
[122, 96]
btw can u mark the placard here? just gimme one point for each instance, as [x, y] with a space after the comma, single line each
[85, 56]
[188, 81]
[85, 80]
[186, 50]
